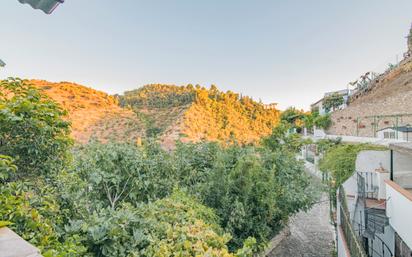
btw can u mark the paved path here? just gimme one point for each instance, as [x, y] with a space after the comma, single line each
[311, 233]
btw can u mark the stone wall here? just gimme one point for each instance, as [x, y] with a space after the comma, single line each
[392, 95]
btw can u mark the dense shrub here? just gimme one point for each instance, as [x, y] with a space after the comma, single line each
[253, 191]
[34, 212]
[32, 130]
[105, 175]
[174, 226]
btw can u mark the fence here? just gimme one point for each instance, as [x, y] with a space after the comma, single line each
[352, 239]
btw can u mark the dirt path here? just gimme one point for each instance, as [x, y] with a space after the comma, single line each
[311, 233]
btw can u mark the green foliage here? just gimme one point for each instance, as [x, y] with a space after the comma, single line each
[292, 116]
[174, 226]
[314, 119]
[34, 213]
[111, 173]
[333, 101]
[323, 145]
[158, 96]
[252, 190]
[7, 167]
[118, 199]
[32, 130]
[280, 139]
[206, 114]
[323, 121]
[340, 160]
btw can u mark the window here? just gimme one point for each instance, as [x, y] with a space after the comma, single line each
[390, 135]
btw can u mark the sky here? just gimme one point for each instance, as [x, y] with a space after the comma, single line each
[288, 52]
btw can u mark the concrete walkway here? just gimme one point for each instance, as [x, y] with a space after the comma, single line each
[312, 235]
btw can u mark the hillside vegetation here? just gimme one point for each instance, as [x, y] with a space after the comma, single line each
[121, 199]
[92, 113]
[193, 114]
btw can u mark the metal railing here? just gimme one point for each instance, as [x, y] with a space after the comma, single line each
[367, 185]
[354, 244]
[362, 242]
[373, 245]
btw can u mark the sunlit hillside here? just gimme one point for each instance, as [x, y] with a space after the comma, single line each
[189, 113]
[93, 113]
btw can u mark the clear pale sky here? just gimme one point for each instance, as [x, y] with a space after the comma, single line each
[289, 52]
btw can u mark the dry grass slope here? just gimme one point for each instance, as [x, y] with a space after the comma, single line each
[93, 113]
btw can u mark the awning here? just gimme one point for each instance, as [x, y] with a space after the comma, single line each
[46, 6]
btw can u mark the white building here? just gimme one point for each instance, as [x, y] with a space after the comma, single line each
[345, 93]
[402, 133]
[374, 206]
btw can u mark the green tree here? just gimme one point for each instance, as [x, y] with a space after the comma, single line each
[32, 129]
[107, 175]
[332, 102]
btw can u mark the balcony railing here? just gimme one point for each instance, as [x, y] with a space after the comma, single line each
[368, 185]
[362, 239]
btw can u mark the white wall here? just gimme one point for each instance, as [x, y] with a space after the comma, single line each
[401, 162]
[399, 212]
[370, 161]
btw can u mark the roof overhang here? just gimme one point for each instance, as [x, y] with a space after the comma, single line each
[405, 148]
[47, 6]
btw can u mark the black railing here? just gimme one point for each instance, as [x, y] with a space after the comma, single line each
[374, 245]
[362, 239]
[367, 187]
[354, 244]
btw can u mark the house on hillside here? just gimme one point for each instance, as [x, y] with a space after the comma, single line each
[319, 105]
[401, 133]
[374, 206]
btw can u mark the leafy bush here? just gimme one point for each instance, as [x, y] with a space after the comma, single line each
[173, 226]
[34, 213]
[252, 190]
[7, 167]
[339, 161]
[32, 130]
[109, 174]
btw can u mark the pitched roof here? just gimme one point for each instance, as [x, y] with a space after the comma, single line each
[400, 129]
[47, 6]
